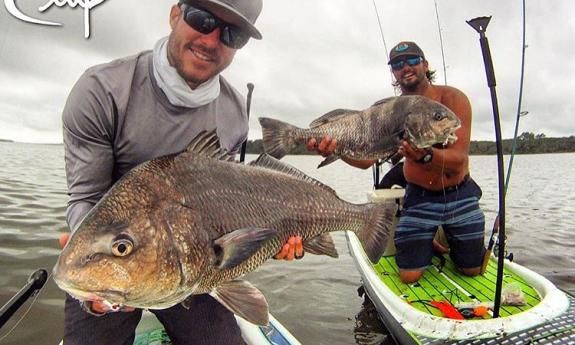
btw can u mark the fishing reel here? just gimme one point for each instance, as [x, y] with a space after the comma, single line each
[507, 255]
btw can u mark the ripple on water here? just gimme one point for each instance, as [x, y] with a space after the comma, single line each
[30, 253]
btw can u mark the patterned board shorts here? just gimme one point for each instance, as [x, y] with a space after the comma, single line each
[457, 210]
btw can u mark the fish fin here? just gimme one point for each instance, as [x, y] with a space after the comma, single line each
[208, 144]
[321, 245]
[383, 101]
[375, 232]
[269, 162]
[328, 160]
[277, 137]
[235, 247]
[243, 299]
[333, 115]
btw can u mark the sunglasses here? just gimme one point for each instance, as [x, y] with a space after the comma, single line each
[414, 61]
[205, 23]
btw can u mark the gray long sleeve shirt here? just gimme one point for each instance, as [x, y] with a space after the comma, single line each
[116, 117]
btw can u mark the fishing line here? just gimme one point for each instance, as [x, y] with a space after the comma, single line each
[26, 312]
[441, 43]
[383, 40]
[442, 178]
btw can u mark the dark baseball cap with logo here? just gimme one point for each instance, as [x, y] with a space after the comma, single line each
[405, 49]
[242, 13]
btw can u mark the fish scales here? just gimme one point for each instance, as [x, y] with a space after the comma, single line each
[194, 222]
[372, 133]
[292, 209]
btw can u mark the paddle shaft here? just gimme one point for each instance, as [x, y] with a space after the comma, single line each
[35, 283]
[480, 25]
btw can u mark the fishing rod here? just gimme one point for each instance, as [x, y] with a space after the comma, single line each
[34, 284]
[441, 43]
[520, 114]
[248, 106]
[380, 27]
[377, 166]
[479, 24]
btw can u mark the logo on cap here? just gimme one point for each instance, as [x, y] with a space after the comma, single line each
[401, 47]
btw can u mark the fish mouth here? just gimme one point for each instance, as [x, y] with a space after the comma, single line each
[447, 137]
[450, 136]
[90, 298]
[105, 296]
[450, 139]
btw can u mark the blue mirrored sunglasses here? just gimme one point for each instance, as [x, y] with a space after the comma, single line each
[414, 61]
[205, 22]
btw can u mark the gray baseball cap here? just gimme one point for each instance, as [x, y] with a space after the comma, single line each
[405, 49]
[242, 13]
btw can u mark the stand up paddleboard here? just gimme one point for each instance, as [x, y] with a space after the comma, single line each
[446, 307]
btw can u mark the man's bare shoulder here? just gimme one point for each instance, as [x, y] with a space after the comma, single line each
[454, 99]
[450, 93]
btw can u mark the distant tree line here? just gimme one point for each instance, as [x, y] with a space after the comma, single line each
[527, 143]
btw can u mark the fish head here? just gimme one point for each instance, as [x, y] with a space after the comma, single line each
[120, 255]
[429, 122]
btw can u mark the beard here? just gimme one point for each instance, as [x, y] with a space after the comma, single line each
[192, 73]
[412, 85]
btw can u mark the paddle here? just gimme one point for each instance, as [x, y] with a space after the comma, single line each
[35, 283]
[479, 24]
[520, 113]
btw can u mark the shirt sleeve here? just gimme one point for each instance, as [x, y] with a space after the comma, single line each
[88, 144]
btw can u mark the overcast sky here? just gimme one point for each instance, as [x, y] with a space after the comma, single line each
[316, 55]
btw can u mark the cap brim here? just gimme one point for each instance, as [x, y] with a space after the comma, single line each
[404, 54]
[230, 15]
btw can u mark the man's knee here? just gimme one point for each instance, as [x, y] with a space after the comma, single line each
[471, 271]
[409, 277]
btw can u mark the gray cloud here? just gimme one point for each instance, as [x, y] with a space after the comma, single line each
[315, 56]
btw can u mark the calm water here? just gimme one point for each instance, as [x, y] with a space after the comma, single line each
[316, 298]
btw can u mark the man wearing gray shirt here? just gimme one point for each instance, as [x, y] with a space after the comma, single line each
[134, 109]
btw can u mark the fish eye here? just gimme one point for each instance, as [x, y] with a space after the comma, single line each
[438, 116]
[122, 246]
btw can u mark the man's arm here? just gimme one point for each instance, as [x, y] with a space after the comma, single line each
[88, 138]
[88, 135]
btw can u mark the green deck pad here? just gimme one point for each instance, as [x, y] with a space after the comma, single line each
[153, 337]
[438, 286]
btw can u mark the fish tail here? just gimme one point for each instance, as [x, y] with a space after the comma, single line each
[375, 233]
[278, 137]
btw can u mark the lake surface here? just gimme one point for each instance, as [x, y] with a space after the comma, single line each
[315, 298]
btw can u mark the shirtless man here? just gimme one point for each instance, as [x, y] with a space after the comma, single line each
[439, 190]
